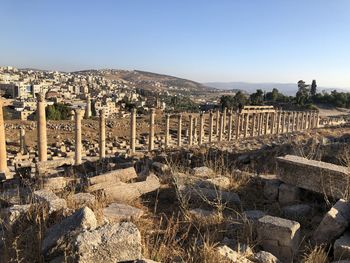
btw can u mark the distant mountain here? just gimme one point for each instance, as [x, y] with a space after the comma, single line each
[285, 88]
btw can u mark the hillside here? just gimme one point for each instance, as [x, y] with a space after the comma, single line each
[150, 80]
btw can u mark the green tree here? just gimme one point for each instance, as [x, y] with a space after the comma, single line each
[302, 96]
[57, 111]
[313, 88]
[257, 98]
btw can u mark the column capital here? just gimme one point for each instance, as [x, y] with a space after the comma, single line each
[40, 97]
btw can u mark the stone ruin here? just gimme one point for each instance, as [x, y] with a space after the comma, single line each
[83, 235]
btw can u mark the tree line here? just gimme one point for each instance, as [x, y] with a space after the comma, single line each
[305, 97]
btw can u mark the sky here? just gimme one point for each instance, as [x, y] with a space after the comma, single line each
[202, 40]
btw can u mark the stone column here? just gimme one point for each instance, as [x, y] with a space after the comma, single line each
[41, 127]
[221, 127]
[201, 128]
[102, 134]
[297, 122]
[273, 121]
[278, 126]
[88, 107]
[287, 121]
[259, 123]
[179, 129]
[133, 131]
[252, 131]
[224, 111]
[211, 126]
[229, 129]
[238, 125]
[303, 121]
[78, 144]
[195, 136]
[167, 128]
[283, 121]
[317, 119]
[217, 121]
[309, 126]
[190, 133]
[246, 125]
[293, 121]
[266, 122]
[22, 142]
[3, 154]
[151, 131]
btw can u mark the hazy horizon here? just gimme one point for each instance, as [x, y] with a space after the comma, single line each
[225, 41]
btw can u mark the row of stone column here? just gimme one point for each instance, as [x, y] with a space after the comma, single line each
[246, 125]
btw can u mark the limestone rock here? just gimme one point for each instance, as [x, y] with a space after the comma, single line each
[120, 212]
[47, 197]
[83, 199]
[220, 182]
[203, 171]
[265, 257]
[123, 192]
[211, 195]
[202, 213]
[109, 243]
[279, 236]
[55, 183]
[342, 247]
[227, 253]
[12, 214]
[333, 223]
[120, 175]
[83, 218]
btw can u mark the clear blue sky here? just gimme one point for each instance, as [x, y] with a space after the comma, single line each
[228, 40]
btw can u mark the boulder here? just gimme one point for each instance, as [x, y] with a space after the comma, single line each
[47, 197]
[83, 218]
[55, 183]
[109, 243]
[333, 223]
[120, 212]
[220, 182]
[227, 253]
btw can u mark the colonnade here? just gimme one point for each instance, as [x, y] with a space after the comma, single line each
[229, 126]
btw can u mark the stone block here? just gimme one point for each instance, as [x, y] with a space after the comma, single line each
[288, 194]
[333, 223]
[120, 175]
[325, 178]
[279, 236]
[120, 212]
[342, 247]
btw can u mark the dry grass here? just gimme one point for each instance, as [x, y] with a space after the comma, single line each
[317, 254]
